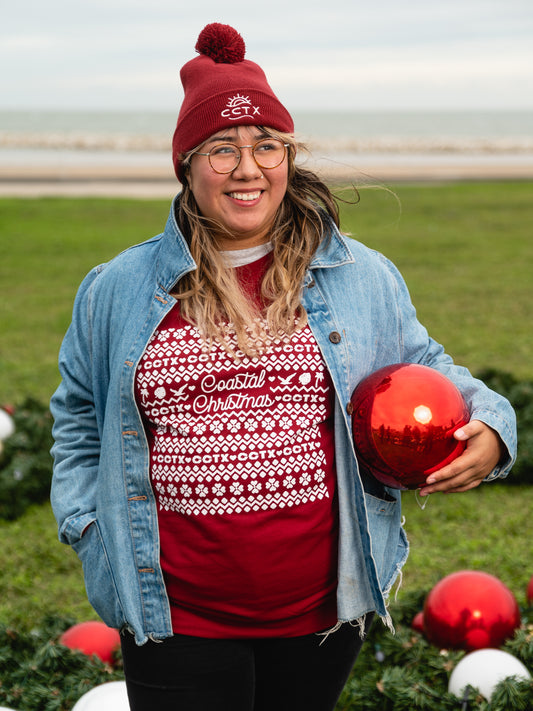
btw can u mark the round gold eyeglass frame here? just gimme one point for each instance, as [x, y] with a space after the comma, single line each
[253, 146]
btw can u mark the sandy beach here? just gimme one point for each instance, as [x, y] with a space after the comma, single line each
[155, 179]
[98, 153]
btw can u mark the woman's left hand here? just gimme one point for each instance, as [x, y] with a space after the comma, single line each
[484, 450]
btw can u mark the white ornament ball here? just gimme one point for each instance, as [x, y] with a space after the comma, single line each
[7, 426]
[111, 696]
[483, 670]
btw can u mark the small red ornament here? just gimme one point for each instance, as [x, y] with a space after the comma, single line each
[403, 420]
[529, 592]
[92, 637]
[418, 622]
[470, 610]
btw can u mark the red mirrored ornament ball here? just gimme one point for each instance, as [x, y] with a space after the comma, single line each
[418, 622]
[92, 637]
[470, 610]
[403, 419]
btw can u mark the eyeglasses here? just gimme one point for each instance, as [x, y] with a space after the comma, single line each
[267, 153]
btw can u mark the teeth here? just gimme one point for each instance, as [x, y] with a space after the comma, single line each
[245, 196]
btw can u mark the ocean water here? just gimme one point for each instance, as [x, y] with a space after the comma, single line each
[437, 130]
[144, 138]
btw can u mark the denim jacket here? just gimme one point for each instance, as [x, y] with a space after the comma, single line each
[361, 315]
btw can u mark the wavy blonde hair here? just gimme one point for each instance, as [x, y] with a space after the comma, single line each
[210, 296]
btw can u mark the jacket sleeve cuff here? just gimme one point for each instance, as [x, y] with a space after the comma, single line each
[74, 527]
[508, 438]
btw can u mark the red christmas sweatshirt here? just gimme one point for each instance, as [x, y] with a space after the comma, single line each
[242, 466]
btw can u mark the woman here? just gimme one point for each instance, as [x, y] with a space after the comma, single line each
[204, 466]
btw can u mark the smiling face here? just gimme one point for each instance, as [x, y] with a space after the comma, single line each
[244, 201]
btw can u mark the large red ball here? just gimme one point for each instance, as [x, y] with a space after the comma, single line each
[418, 622]
[403, 420]
[470, 610]
[93, 637]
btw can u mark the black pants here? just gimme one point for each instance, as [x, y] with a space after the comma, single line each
[284, 674]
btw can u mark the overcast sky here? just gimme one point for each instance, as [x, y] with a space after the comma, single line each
[398, 54]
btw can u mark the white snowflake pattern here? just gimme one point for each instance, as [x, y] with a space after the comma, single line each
[186, 491]
[214, 453]
[218, 489]
[236, 488]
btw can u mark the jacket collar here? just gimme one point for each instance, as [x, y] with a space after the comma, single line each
[333, 250]
[175, 259]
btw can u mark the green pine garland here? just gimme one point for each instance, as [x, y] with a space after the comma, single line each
[520, 395]
[39, 674]
[393, 673]
[413, 675]
[25, 460]
[400, 672]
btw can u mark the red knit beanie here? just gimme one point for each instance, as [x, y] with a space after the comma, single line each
[223, 89]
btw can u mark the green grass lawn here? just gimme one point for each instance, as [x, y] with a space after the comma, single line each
[466, 253]
[487, 529]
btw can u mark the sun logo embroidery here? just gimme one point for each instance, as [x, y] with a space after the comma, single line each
[239, 107]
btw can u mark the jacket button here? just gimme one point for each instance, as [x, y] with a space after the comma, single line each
[349, 408]
[335, 337]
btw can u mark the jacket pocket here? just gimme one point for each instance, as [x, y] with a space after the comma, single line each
[99, 581]
[390, 547]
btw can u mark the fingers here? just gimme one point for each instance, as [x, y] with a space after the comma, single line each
[445, 482]
[483, 452]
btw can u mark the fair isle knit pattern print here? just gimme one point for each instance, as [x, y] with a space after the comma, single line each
[234, 437]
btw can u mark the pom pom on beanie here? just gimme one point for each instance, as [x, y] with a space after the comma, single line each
[222, 43]
[223, 89]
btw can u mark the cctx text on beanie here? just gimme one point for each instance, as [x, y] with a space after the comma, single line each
[223, 89]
